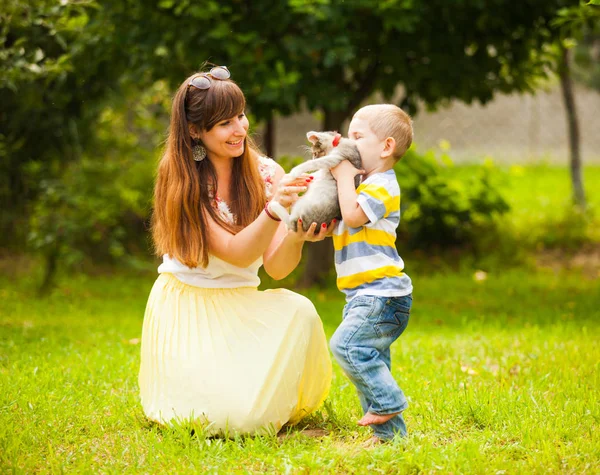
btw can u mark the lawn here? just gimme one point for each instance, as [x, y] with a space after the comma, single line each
[540, 196]
[501, 368]
[501, 374]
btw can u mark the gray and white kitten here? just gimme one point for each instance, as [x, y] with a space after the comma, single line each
[320, 202]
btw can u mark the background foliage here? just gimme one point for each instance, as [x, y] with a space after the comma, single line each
[440, 208]
[500, 362]
[85, 89]
[57, 64]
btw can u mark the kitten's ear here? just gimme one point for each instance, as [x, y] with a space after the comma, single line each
[312, 137]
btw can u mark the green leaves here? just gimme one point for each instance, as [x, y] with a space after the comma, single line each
[61, 63]
[440, 208]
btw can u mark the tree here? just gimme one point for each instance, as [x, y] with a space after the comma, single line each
[329, 55]
[574, 22]
[586, 53]
[566, 83]
[56, 64]
[436, 50]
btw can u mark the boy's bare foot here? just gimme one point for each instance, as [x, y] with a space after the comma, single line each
[376, 419]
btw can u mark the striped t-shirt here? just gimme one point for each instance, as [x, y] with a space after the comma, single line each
[366, 259]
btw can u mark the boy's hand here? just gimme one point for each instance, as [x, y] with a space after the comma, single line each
[345, 168]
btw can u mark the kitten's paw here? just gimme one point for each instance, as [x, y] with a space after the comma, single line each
[295, 173]
[287, 179]
[278, 210]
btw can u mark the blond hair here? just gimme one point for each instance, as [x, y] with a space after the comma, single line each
[388, 120]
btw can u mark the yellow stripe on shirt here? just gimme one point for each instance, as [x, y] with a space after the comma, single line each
[391, 203]
[360, 278]
[374, 237]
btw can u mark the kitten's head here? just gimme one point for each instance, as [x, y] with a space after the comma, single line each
[323, 142]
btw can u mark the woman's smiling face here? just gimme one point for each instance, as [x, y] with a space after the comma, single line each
[226, 139]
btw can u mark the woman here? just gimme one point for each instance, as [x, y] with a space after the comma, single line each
[214, 348]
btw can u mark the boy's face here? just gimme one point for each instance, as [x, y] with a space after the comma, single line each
[367, 142]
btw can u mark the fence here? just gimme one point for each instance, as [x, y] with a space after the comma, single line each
[512, 128]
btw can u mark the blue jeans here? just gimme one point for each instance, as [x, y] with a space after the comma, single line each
[361, 346]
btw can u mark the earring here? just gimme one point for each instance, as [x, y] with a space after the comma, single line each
[198, 152]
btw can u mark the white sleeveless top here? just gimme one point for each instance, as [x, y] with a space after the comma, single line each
[218, 273]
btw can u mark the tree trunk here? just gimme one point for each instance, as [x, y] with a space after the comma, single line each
[319, 255]
[573, 128]
[14, 197]
[269, 138]
[51, 259]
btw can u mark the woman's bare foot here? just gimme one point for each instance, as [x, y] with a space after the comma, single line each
[376, 419]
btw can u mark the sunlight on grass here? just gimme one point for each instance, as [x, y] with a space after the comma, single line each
[501, 375]
[540, 197]
[501, 368]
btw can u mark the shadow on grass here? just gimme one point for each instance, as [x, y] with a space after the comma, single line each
[186, 432]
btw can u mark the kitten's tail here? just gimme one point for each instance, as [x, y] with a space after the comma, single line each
[281, 212]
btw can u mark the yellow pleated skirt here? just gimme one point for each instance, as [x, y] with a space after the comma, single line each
[236, 360]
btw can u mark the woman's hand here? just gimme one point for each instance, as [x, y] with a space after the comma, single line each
[309, 235]
[288, 189]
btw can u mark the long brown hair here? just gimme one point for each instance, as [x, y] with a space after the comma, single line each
[181, 194]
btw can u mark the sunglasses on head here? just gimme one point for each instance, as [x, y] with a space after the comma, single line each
[203, 80]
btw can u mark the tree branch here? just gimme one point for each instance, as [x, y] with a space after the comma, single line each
[366, 84]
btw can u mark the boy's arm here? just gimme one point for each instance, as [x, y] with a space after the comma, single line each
[352, 213]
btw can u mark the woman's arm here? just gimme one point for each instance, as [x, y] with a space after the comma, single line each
[243, 248]
[285, 251]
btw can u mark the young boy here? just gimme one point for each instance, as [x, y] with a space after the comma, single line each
[369, 269]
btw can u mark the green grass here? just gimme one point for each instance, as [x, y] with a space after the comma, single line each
[502, 376]
[540, 197]
[539, 192]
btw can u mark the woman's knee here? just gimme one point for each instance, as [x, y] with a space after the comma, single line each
[306, 309]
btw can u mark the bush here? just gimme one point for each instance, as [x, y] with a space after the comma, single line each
[442, 208]
[95, 212]
[95, 209]
[571, 230]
